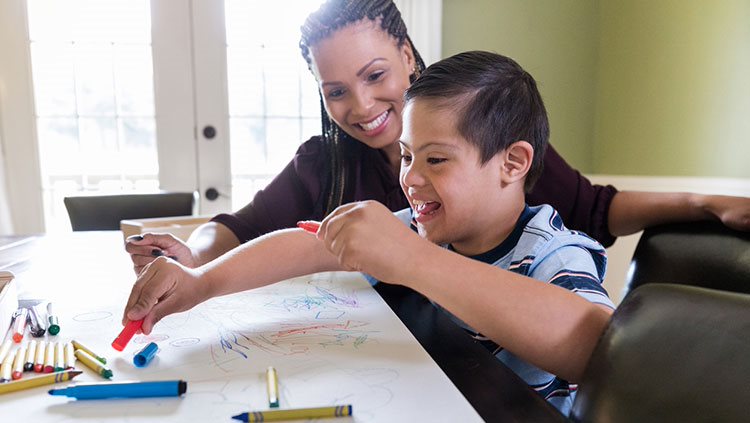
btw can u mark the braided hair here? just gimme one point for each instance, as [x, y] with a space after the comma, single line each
[332, 16]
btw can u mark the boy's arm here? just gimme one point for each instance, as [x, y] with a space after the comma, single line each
[546, 325]
[633, 211]
[165, 287]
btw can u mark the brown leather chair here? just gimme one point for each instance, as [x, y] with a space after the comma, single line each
[671, 353]
[104, 212]
[706, 254]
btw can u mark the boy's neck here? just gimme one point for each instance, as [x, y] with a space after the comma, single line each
[498, 230]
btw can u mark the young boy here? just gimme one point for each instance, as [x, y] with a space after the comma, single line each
[474, 131]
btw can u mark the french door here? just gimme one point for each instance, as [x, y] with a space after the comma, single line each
[110, 96]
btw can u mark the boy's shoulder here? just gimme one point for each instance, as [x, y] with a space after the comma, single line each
[545, 229]
[546, 242]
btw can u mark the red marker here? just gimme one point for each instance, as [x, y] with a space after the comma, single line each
[127, 333]
[309, 226]
[19, 325]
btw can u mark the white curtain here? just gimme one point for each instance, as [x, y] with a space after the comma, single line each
[423, 20]
[6, 222]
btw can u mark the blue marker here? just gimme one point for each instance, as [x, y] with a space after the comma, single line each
[169, 388]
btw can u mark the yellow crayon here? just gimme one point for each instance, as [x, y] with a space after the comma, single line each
[38, 381]
[78, 346]
[49, 358]
[70, 359]
[93, 364]
[272, 384]
[6, 368]
[295, 414]
[59, 357]
[39, 360]
[28, 365]
[5, 349]
[18, 363]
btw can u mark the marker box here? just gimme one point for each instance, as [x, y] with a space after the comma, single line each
[145, 355]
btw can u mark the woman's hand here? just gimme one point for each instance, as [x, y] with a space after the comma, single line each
[163, 288]
[143, 249]
[367, 237]
[733, 212]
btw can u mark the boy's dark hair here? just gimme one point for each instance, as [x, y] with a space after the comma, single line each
[330, 17]
[496, 101]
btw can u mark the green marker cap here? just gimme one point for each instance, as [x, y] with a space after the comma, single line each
[54, 328]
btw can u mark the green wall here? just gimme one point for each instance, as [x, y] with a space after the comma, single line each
[552, 40]
[633, 87]
[673, 95]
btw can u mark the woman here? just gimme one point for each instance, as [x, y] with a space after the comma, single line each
[357, 156]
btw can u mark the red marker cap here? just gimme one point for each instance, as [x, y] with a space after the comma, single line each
[127, 333]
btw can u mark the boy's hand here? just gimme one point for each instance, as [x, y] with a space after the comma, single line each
[164, 287]
[367, 237]
[144, 248]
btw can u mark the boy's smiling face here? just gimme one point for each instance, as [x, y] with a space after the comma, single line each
[455, 199]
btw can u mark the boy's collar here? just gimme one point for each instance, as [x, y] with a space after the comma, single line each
[508, 243]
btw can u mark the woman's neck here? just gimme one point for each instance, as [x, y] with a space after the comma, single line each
[393, 153]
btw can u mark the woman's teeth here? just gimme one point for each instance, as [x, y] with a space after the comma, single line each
[375, 123]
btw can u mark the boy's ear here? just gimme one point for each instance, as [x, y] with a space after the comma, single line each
[517, 161]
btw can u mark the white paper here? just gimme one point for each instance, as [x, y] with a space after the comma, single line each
[331, 338]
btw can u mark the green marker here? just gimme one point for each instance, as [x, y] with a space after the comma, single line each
[54, 328]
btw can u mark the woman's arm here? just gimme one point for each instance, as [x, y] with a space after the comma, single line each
[166, 287]
[604, 213]
[633, 211]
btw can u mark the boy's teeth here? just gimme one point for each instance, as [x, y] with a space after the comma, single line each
[375, 123]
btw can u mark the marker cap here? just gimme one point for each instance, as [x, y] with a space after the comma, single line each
[145, 355]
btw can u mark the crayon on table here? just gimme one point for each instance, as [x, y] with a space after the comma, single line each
[28, 364]
[170, 388]
[127, 333]
[295, 414]
[78, 346]
[5, 348]
[145, 355]
[19, 324]
[41, 349]
[59, 357]
[54, 327]
[70, 358]
[309, 226]
[38, 381]
[89, 361]
[272, 385]
[6, 368]
[18, 363]
[49, 358]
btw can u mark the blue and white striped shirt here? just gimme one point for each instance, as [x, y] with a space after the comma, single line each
[542, 248]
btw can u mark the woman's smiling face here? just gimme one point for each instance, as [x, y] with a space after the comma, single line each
[362, 74]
